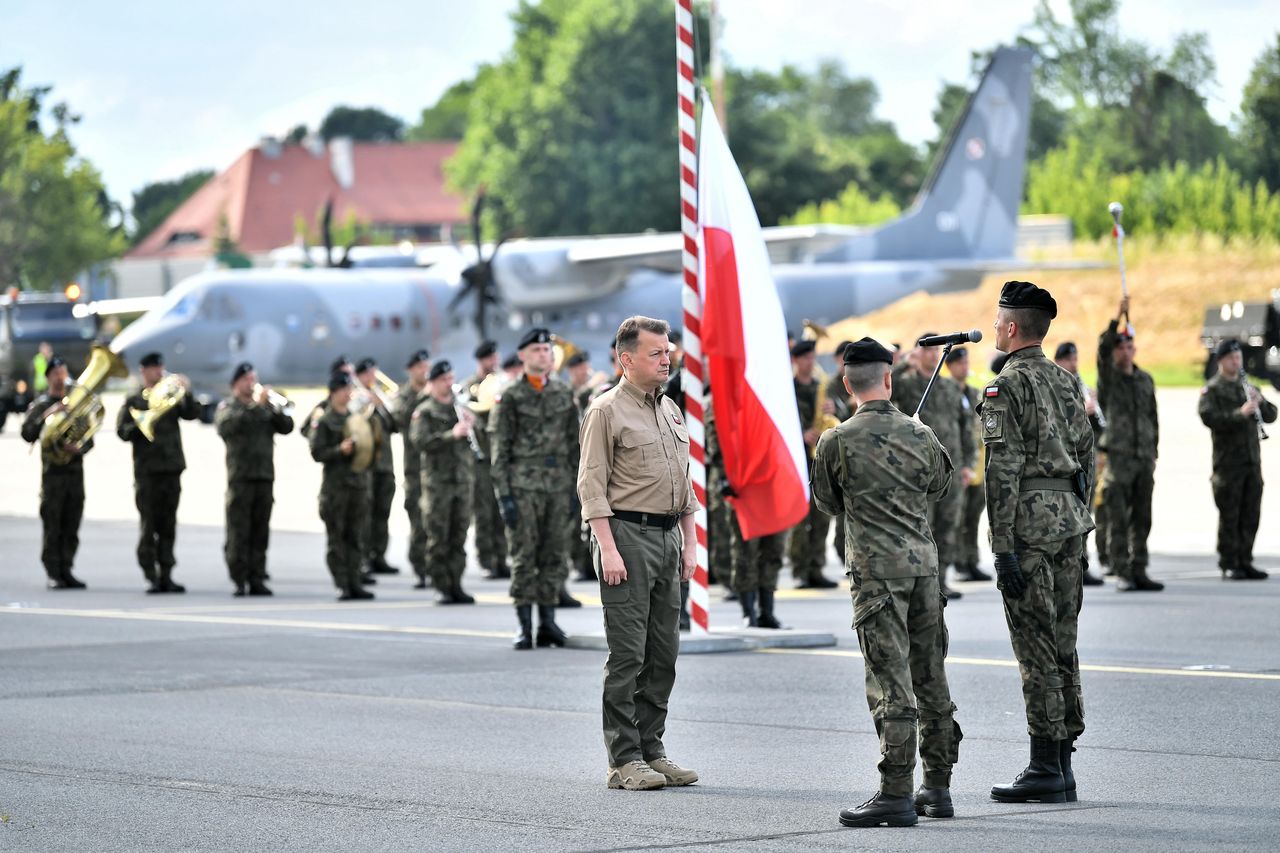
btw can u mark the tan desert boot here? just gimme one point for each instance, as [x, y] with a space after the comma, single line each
[636, 776]
[674, 773]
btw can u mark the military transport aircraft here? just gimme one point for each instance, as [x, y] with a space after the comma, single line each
[291, 323]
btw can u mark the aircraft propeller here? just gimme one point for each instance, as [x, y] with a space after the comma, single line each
[478, 279]
[326, 230]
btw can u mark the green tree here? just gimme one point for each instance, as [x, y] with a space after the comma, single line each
[851, 207]
[154, 202]
[363, 124]
[1260, 117]
[55, 216]
[296, 134]
[447, 118]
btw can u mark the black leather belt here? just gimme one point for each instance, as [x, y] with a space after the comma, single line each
[647, 519]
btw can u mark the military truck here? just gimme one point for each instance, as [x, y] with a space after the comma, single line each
[1256, 325]
[26, 319]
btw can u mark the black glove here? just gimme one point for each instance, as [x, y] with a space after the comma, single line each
[510, 513]
[1009, 577]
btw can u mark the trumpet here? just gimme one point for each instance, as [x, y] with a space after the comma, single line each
[282, 404]
[1251, 393]
[161, 397]
[460, 400]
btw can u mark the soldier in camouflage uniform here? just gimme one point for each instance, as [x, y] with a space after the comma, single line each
[1039, 479]
[839, 397]
[440, 437]
[344, 493]
[577, 533]
[1067, 356]
[61, 484]
[382, 475]
[411, 393]
[1231, 409]
[720, 561]
[809, 537]
[491, 540]
[975, 496]
[534, 439]
[881, 469]
[248, 427]
[952, 422]
[341, 364]
[157, 475]
[1127, 394]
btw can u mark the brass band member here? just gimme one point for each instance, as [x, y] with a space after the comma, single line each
[382, 476]
[344, 492]
[491, 543]
[410, 395]
[158, 463]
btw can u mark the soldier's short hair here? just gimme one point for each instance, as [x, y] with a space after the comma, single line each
[629, 332]
[1033, 323]
[863, 376]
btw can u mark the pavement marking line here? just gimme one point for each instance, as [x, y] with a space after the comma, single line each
[482, 598]
[143, 616]
[1084, 667]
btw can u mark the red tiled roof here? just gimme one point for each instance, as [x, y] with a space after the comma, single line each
[262, 196]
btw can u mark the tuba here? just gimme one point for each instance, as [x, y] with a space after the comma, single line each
[161, 397]
[83, 411]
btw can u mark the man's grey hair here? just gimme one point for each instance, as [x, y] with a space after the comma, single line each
[865, 376]
[629, 332]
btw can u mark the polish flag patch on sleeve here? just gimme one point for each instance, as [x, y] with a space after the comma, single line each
[991, 391]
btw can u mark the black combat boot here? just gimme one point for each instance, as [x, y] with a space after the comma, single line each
[1142, 583]
[1253, 572]
[59, 583]
[421, 583]
[1090, 579]
[502, 571]
[549, 633]
[459, 594]
[381, 567]
[1041, 782]
[565, 599]
[748, 601]
[934, 802]
[257, 587]
[882, 810]
[524, 640]
[368, 579]
[167, 583]
[1065, 748]
[240, 590]
[766, 618]
[72, 582]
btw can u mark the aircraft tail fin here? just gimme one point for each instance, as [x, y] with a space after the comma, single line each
[968, 206]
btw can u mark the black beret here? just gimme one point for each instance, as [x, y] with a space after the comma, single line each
[366, 363]
[1024, 294]
[417, 358]
[54, 362]
[865, 351]
[241, 369]
[440, 368]
[800, 348]
[1066, 349]
[840, 348]
[579, 357]
[511, 362]
[152, 359]
[339, 363]
[1225, 348]
[534, 336]
[486, 349]
[339, 379]
[957, 354]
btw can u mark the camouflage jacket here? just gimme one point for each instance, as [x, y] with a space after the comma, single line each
[1129, 404]
[837, 394]
[34, 423]
[445, 459]
[326, 439]
[880, 469]
[944, 411]
[249, 431]
[1034, 428]
[534, 438]
[384, 461]
[407, 401]
[309, 422]
[582, 398]
[164, 455]
[1235, 436]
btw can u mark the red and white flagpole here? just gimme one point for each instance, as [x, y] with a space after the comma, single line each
[693, 365]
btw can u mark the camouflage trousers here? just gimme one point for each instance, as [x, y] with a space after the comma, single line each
[808, 549]
[577, 543]
[446, 515]
[975, 503]
[1101, 514]
[382, 494]
[248, 529]
[946, 515]
[642, 630]
[156, 496]
[417, 530]
[1127, 496]
[491, 543]
[536, 546]
[344, 509]
[756, 562]
[720, 523]
[903, 637]
[1043, 630]
[1238, 494]
[61, 508]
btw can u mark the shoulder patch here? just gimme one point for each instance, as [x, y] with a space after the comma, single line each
[992, 427]
[991, 391]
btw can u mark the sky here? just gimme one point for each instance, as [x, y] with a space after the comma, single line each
[168, 87]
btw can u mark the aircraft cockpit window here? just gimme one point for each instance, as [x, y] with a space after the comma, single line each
[375, 322]
[185, 307]
[394, 322]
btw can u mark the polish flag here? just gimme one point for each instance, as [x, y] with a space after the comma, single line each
[744, 339]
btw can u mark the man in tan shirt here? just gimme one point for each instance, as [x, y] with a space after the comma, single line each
[633, 481]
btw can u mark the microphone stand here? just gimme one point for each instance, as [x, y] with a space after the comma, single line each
[946, 350]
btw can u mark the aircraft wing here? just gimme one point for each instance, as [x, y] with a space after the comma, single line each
[115, 307]
[787, 244]
[1019, 265]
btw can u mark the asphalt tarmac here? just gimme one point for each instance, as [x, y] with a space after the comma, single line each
[203, 722]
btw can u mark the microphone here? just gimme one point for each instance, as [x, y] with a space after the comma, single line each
[970, 337]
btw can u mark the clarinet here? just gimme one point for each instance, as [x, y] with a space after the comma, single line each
[1097, 412]
[1257, 413]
